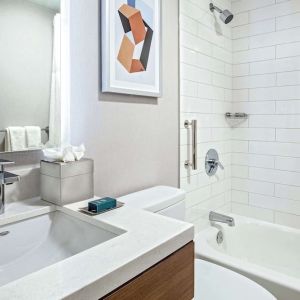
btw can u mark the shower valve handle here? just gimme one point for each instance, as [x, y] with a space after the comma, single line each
[213, 163]
[220, 164]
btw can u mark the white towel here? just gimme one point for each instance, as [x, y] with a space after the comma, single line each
[33, 137]
[15, 139]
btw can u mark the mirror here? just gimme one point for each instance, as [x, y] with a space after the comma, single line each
[30, 82]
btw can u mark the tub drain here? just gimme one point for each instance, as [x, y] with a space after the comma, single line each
[4, 233]
[220, 237]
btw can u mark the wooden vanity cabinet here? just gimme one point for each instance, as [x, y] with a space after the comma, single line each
[170, 279]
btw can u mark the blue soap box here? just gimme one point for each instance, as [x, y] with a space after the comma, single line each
[100, 205]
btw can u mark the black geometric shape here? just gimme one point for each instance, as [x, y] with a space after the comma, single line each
[147, 46]
[125, 22]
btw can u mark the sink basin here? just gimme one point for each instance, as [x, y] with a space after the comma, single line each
[30, 245]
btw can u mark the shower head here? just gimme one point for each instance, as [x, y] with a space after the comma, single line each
[225, 15]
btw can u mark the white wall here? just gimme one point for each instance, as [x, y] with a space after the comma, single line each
[206, 94]
[133, 140]
[26, 36]
[266, 149]
[262, 154]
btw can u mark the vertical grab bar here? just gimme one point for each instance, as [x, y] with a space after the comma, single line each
[193, 125]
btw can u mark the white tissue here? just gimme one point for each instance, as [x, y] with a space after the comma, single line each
[78, 152]
[68, 155]
[64, 154]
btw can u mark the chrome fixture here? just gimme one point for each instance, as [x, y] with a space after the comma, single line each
[220, 237]
[212, 162]
[192, 124]
[216, 217]
[238, 115]
[6, 178]
[226, 16]
[4, 233]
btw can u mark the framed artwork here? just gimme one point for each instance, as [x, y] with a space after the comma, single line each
[131, 47]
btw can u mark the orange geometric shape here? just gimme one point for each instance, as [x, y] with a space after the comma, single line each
[126, 53]
[136, 66]
[134, 17]
[125, 57]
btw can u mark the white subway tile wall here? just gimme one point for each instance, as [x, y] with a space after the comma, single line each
[251, 65]
[266, 84]
[206, 95]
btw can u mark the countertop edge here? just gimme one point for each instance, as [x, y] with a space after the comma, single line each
[125, 273]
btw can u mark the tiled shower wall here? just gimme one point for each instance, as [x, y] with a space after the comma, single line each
[266, 83]
[252, 66]
[206, 94]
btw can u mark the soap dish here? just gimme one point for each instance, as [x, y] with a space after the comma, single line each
[85, 210]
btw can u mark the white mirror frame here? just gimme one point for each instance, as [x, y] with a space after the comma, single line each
[65, 73]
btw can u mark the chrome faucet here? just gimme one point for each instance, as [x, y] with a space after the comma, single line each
[215, 217]
[6, 178]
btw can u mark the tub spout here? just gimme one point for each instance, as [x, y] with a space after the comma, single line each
[215, 217]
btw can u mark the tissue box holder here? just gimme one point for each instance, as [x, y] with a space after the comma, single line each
[65, 183]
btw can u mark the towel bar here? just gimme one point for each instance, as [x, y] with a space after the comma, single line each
[46, 129]
[193, 125]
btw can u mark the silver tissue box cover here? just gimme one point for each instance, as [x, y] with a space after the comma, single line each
[65, 183]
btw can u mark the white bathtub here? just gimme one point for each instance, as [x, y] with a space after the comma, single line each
[266, 253]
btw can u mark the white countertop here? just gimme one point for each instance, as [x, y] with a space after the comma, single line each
[18, 211]
[148, 239]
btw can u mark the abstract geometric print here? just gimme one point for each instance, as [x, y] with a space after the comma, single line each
[137, 38]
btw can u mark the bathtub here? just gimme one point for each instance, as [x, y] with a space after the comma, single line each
[266, 253]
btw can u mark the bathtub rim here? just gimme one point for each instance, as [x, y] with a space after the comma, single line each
[204, 250]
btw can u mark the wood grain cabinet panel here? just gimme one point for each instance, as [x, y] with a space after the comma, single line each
[170, 279]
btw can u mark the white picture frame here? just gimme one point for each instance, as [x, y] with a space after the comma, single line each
[131, 55]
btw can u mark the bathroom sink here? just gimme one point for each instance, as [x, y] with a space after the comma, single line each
[30, 245]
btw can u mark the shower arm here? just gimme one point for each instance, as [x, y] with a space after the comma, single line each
[213, 7]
